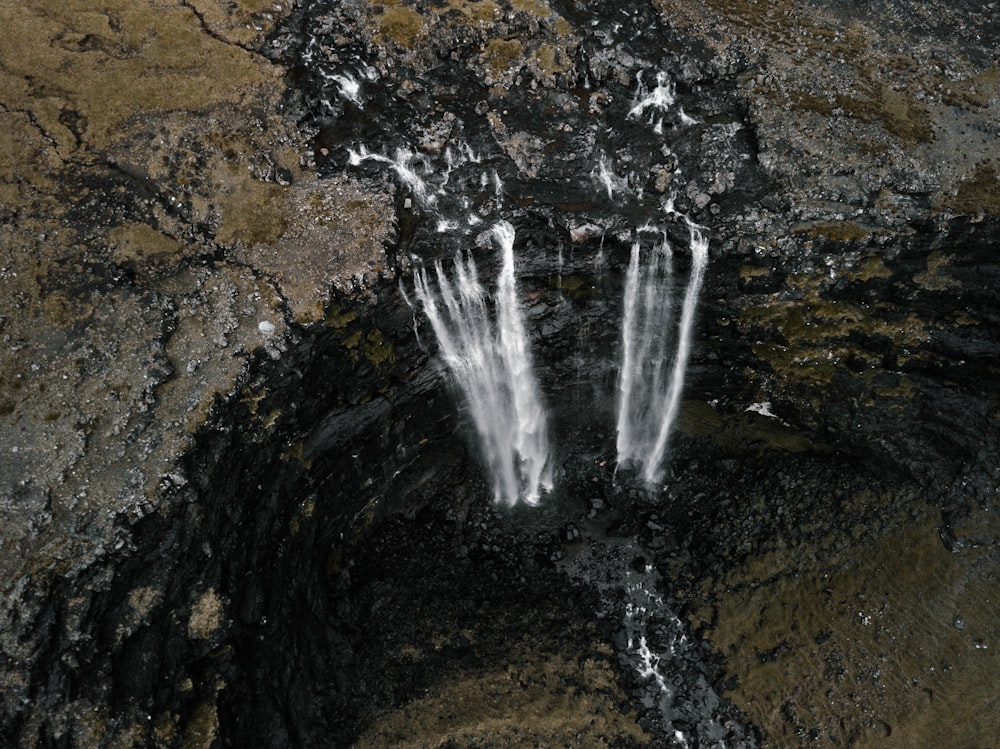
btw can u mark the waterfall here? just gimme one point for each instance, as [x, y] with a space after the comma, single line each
[655, 352]
[605, 175]
[489, 358]
[661, 98]
[405, 164]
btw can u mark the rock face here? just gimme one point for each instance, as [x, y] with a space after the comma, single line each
[241, 505]
[153, 208]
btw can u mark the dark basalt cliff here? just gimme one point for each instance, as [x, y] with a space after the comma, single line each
[243, 504]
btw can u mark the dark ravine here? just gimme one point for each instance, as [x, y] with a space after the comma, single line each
[319, 562]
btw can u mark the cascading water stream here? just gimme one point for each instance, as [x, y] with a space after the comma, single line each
[651, 377]
[490, 361]
[655, 335]
[465, 157]
[530, 438]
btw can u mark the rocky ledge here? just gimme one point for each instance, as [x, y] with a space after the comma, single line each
[240, 504]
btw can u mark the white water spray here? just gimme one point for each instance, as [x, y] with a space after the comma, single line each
[660, 98]
[645, 660]
[350, 88]
[655, 103]
[605, 175]
[489, 358]
[655, 352]
[426, 181]
[405, 164]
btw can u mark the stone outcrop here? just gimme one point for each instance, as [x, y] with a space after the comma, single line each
[158, 229]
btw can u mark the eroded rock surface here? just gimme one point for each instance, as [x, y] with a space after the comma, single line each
[154, 206]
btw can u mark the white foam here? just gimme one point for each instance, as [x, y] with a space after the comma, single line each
[405, 165]
[661, 98]
[764, 409]
[349, 87]
[685, 118]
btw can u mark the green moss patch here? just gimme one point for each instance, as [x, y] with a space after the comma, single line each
[533, 7]
[979, 192]
[973, 91]
[538, 699]
[337, 318]
[253, 213]
[838, 231]
[815, 336]
[143, 248]
[853, 651]
[899, 113]
[508, 37]
[503, 57]
[378, 350]
[399, 24]
[575, 287]
[935, 278]
[741, 432]
[113, 61]
[870, 267]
